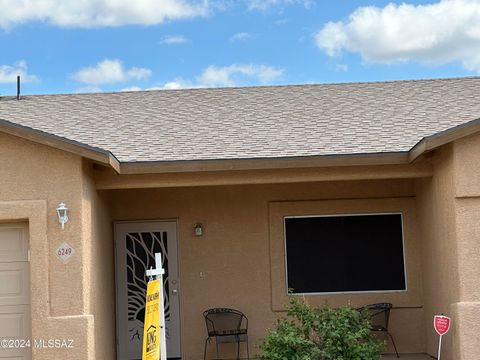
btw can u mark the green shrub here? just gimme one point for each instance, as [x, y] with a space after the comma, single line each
[308, 333]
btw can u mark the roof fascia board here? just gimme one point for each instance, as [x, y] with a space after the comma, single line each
[444, 137]
[264, 163]
[107, 180]
[97, 155]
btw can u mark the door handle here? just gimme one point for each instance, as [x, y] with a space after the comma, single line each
[174, 291]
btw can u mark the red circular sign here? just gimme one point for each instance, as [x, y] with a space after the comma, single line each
[441, 324]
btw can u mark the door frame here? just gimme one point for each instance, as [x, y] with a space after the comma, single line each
[180, 310]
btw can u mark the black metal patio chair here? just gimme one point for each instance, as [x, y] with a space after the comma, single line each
[379, 317]
[226, 326]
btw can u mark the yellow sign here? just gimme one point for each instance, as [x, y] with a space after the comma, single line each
[151, 330]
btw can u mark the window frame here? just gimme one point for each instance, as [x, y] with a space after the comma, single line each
[345, 292]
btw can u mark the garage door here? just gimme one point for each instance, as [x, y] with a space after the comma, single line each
[15, 320]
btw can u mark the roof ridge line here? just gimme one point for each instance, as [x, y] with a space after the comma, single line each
[250, 87]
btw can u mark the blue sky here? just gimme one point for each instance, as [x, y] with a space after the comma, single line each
[66, 46]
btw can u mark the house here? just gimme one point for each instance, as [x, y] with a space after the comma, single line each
[348, 193]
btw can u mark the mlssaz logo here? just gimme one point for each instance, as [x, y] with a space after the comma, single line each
[151, 338]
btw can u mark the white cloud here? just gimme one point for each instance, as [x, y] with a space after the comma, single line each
[174, 39]
[226, 76]
[236, 74]
[175, 84]
[9, 73]
[263, 5]
[443, 32]
[132, 88]
[97, 13]
[109, 72]
[241, 36]
[212, 76]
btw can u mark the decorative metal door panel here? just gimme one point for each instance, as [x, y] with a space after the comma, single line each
[135, 246]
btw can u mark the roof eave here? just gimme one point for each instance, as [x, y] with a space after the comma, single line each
[152, 167]
[95, 154]
[424, 146]
[434, 141]
[106, 158]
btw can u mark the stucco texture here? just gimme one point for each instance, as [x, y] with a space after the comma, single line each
[230, 266]
[35, 179]
[238, 261]
[449, 214]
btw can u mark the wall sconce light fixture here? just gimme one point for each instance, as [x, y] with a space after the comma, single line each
[198, 229]
[62, 212]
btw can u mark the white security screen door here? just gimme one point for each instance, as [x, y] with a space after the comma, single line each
[135, 246]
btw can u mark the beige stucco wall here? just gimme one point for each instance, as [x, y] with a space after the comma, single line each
[449, 214]
[34, 180]
[467, 215]
[101, 277]
[234, 255]
[437, 230]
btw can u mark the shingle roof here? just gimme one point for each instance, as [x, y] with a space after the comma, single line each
[253, 122]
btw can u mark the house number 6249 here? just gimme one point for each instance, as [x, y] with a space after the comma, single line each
[63, 252]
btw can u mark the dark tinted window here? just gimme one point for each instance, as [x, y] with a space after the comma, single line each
[345, 253]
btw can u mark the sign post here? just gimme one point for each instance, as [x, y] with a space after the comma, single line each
[441, 324]
[154, 346]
